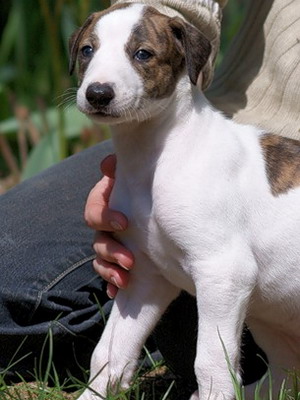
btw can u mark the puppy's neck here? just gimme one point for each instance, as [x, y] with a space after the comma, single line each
[139, 144]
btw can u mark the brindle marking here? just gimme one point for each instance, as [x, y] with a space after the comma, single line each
[160, 72]
[282, 157]
[172, 44]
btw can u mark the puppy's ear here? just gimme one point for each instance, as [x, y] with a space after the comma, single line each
[194, 45]
[75, 40]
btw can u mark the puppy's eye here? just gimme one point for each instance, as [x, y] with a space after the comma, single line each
[87, 51]
[142, 55]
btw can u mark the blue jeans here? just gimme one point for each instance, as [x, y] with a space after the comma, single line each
[47, 278]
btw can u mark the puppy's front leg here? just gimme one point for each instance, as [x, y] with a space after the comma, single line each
[135, 313]
[223, 288]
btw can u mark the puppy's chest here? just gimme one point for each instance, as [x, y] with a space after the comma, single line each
[168, 255]
[152, 231]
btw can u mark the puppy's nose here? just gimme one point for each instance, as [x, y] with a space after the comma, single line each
[99, 94]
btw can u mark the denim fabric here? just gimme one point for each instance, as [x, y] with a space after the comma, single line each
[47, 278]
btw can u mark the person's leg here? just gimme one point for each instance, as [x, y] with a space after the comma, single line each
[47, 278]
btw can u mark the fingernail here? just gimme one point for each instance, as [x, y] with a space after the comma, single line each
[114, 281]
[123, 266]
[109, 294]
[116, 226]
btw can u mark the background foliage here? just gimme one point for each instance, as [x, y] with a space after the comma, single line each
[39, 124]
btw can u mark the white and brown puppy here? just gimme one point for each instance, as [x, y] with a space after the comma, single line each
[214, 207]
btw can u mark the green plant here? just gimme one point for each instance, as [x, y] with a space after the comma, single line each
[38, 388]
[151, 383]
[39, 124]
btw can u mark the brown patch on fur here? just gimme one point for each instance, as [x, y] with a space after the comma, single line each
[173, 44]
[195, 46]
[160, 72]
[84, 36]
[282, 157]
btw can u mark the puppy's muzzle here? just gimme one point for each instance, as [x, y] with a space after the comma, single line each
[99, 95]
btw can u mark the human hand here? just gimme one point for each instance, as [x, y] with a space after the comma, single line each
[113, 261]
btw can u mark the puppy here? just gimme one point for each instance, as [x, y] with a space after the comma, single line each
[214, 207]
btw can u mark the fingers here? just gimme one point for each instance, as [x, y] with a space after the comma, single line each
[113, 262]
[116, 277]
[111, 291]
[112, 251]
[108, 166]
[112, 273]
[98, 215]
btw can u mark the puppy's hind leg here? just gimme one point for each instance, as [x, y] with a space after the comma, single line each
[134, 315]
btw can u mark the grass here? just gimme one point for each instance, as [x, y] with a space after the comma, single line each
[152, 383]
[155, 383]
[158, 383]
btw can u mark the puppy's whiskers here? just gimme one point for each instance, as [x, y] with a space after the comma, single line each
[68, 98]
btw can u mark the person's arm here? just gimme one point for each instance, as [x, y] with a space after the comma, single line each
[113, 260]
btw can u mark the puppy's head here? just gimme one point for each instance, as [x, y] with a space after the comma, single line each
[130, 58]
